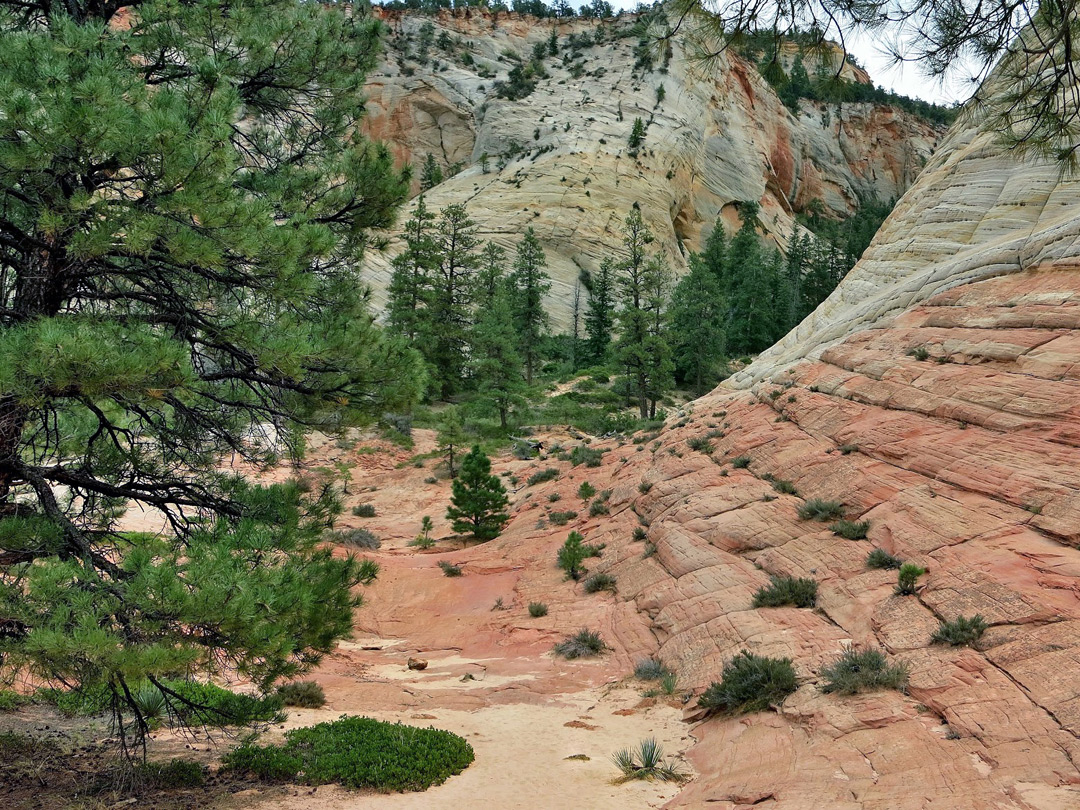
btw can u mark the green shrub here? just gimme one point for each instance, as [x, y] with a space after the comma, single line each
[215, 706]
[650, 669]
[851, 530]
[573, 553]
[305, 694]
[78, 702]
[550, 474]
[11, 700]
[784, 487]
[639, 535]
[150, 702]
[359, 752]
[787, 591]
[597, 508]
[740, 462]
[449, 569]
[587, 456]
[919, 353]
[960, 631]
[424, 539]
[848, 449]
[646, 762]
[908, 579]
[586, 490]
[537, 609]
[177, 773]
[599, 582]
[868, 670]
[561, 518]
[700, 444]
[584, 644]
[553, 497]
[750, 683]
[880, 558]
[644, 487]
[364, 510]
[357, 538]
[818, 509]
[669, 685]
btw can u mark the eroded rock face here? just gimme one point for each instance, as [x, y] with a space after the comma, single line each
[559, 160]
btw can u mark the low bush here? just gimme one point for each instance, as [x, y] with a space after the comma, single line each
[750, 683]
[177, 773]
[561, 518]
[587, 456]
[584, 644]
[669, 685]
[784, 487]
[848, 449]
[449, 569]
[639, 535]
[740, 462]
[359, 752]
[586, 490]
[364, 510]
[880, 558]
[866, 670]
[650, 669]
[573, 553]
[646, 762]
[356, 538]
[782, 591]
[597, 508]
[908, 578]
[599, 582]
[11, 700]
[644, 487]
[537, 609]
[818, 509]
[305, 694]
[960, 631]
[553, 497]
[851, 530]
[550, 474]
[700, 444]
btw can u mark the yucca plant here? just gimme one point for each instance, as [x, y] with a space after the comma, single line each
[646, 762]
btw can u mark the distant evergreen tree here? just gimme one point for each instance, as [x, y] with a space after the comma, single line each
[529, 283]
[451, 436]
[698, 314]
[798, 251]
[600, 311]
[714, 255]
[478, 500]
[430, 174]
[642, 347]
[492, 274]
[495, 362]
[637, 135]
[744, 286]
[410, 290]
[452, 298]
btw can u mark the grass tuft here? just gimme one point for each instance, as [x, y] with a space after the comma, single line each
[880, 558]
[783, 591]
[818, 509]
[750, 683]
[583, 644]
[851, 530]
[960, 631]
[646, 762]
[866, 670]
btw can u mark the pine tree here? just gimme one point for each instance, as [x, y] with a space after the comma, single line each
[795, 267]
[529, 283]
[697, 326]
[746, 288]
[637, 135]
[600, 311]
[495, 362]
[452, 298]
[714, 254]
[410, 291]
[451, 436]
[491, 276]
[478, 499]
[185, 196]
[430, 174]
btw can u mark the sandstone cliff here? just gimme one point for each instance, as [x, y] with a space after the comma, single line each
[558, 159]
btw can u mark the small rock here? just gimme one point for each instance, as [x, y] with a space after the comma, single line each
[417, 663]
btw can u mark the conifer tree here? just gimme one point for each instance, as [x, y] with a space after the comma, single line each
[431, 174]
[185, 195]
[451, 436]
[637, 135]
[529, 283]
[490, 277]
[714, 254]
[495, 362]
[410, 291]
[600, 311]
[452, 298]
[697, 326]
[479, 499]
[746, 288]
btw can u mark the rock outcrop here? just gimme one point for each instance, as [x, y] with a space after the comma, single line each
[558, 159]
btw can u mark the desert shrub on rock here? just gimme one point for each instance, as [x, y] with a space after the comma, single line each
[304, 694]
[583, 644]
[866, 670]
[820, 509]
[880, 558]
[851, 530]
[960, 631]
[781, 591]
[646, 762]
[908, 578]
[750, 683]
[599, 582]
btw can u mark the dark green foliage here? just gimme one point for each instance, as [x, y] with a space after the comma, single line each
[740, 462]
[750, 683]
[180, 243]
[908, 578]
[599, 582]
[960, 631]
[430, 174]
[787, 591]
[495, 362]
[848, 449]
[356, 538]
[600, 311]
[586, 490]
[364, 510]
[549, 474]
[358, 752]
[561, 518]
[584, 644]
[537, 609]
[851, 530]
[528, 284]
[521, 81]
[478, 499]
[11, 700]
[587, 456]
[573, 553]
[819, 509]
[784, 487]
[637, 135]
[305, 694]
[176, 773]
[449, 569]
[650, 669]
[919, 353]
[553, 497]
[646, 762]
[644, 487]
[868, 670]
[597, 508]
[700, 444]
[639, 534]
[880, 558]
